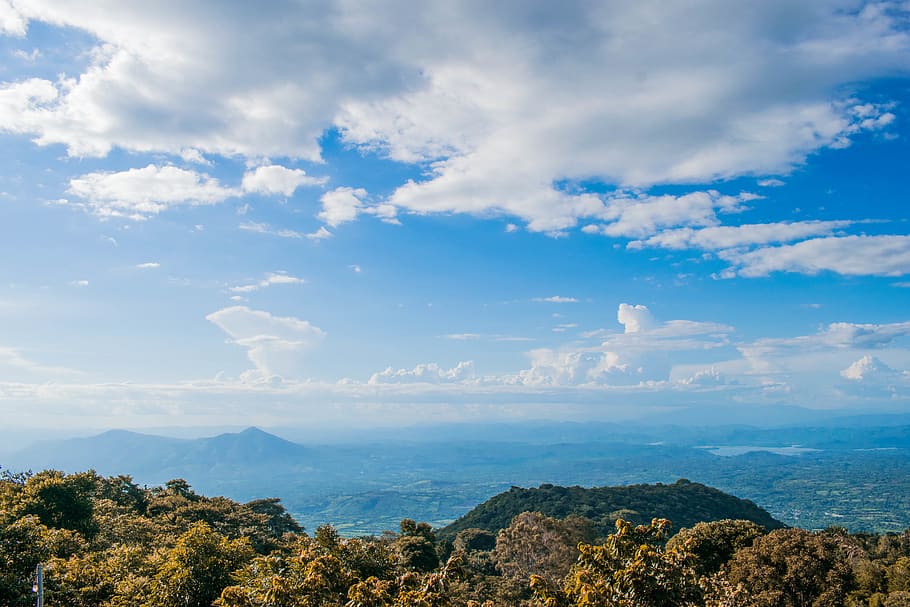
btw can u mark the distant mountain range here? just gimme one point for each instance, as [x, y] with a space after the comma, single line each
[856, 475]
[157, 459]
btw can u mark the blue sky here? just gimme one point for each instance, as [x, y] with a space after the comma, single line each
[375, 213]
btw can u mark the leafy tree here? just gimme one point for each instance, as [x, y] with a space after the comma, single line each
[313, 578]
[371, 592]
[433, 590]
[534, 544]
[473, 539]
[59, 500]
[417, 553]
[416, 546]
[631, 569]
[124, 492]
[898, 575]
[794, 568]
[23, 544]
[278, 521]
[195, 571]
[714, 543]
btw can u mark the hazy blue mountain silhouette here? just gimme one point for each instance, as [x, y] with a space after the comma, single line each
[156, 459]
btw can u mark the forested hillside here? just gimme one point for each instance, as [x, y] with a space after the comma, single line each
[683, 502]
[107, 542]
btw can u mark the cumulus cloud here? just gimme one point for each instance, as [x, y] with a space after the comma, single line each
[848, 255]
[705, 377]
[11, 22]
[271, 278]
[139, 193]
[645, 352]
[274, 344]
[572, 367]
[341, 205]
[870, 377]
[635, 318]
[276, 179]
[480, 96]
[825, 352]
[430, 373]
[149, 265]
[868, 368]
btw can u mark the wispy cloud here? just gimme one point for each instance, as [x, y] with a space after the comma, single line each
[271, 278]
[264, 228]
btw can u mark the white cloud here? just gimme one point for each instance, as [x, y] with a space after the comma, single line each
[194, 156]
[645, 352]
[705, 377]
[341, 205]
[728, 237]
[823, 354]
[139, 193]
[486, 336]
[78, 283]
[320, 234]
[429, 373]
[271, 278]
[355, 268]
[497, 104]
[276, 179]
[770, 183]
[849, 255]
[149, 265]
[869, 377]
[625, 374]
[274, 343]
[556, 299]
[868, 368]
[842, 336]
[26, 56]
[639, 217]
[264, 228]
[635, 318]
[11, 22]
[563, 368]
[14, 362]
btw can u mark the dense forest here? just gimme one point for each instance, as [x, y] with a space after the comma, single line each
[684, 502]
[105, 541]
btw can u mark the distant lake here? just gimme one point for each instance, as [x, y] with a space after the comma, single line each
[733, 450]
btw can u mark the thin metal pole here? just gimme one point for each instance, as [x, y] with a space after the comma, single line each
[39, 585]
